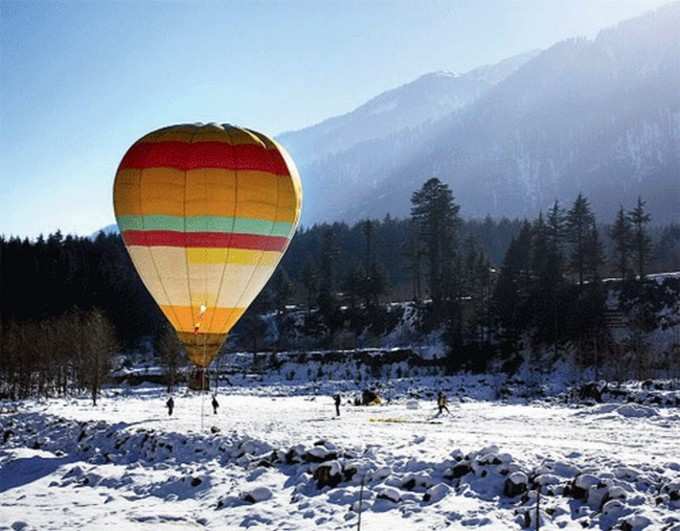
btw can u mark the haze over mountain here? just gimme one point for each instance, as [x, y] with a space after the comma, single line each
[599, 116]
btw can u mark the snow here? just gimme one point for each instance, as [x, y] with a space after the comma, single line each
[282, 460]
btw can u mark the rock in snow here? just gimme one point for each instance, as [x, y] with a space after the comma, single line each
[515, 484]
[636, 411]
[256, 495]
[390, 494]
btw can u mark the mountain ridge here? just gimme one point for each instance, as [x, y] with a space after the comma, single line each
[585, 115]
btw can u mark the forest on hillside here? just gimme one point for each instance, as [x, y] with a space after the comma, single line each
[488, 284]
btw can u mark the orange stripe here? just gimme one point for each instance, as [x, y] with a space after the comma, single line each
[214, 320]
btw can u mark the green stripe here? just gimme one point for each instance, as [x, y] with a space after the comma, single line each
[205, 224]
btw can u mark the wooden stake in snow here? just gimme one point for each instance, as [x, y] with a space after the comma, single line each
[361, 498]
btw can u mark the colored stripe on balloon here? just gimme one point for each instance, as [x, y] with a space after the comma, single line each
[197, 255]
[209, 133]
[169, 238]
[205, 224]
[187, 156]
[183, 317]
[206, 192]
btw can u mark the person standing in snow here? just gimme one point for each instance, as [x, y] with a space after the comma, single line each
[337, 399]
[215, 404]
[170, 404]
[441, 403]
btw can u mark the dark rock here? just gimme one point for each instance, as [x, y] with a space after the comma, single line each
[515, 484]
[459, 470]
[348, 473]
[409, 485]
[592, 391]
[325, 475]
[292, 457]
[195, 482]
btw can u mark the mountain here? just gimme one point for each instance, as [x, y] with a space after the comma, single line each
[403, 110]
[106, 231]
[600, 116]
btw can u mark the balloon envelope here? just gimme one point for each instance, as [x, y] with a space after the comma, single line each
[206, 213]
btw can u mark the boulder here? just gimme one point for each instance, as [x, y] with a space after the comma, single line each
[460, 469]
[390, 494]
[580, 487]
[515, 484]
[414, 481]
[436, 493]
[613, 509]
[635, 522]
[592, 391]
[598, 495]
[319, 454]
[328, 474]
[257, 495]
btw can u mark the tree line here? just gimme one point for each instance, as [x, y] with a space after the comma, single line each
[488, 283]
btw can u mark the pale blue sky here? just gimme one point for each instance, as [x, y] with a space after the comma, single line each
[81, 81]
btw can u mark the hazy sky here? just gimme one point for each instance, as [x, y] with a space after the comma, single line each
[81, 81]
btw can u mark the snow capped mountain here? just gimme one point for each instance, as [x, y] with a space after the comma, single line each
[600, 116]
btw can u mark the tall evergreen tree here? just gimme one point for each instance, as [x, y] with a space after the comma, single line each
[594, 253]
[620, 233]
[310, 282]
[579, 225]
[642, 244]
[413, 252]
[435, 214]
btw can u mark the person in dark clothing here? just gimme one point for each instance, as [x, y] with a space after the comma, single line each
[441, 403]
[215, 404]
[170, 404]
[336, 399]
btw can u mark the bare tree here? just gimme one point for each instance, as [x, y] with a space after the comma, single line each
[171, 354]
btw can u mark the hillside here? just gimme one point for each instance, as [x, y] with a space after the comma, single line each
[584, 115]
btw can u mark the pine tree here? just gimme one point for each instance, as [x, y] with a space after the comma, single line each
[352, 285]
[579, 225]
[368, 230]
[620, 233]
[282, 289]
[594, 253]
[310, 281]
[329, 253]
[556, 227]
[641, 244]
[435, 215]
[414, 253]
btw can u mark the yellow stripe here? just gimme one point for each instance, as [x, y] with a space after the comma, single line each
[209, 192]
[207, 133]
[200, 255]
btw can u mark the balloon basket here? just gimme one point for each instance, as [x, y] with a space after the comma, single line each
[198, 380]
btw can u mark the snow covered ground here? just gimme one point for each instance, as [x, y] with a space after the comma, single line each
[276, 457]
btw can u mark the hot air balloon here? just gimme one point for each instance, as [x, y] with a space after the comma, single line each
[206, 213]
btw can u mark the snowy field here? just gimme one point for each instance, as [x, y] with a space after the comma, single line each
[275, 457]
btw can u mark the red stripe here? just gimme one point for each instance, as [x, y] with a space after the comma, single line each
[187, 156]
[171, 238]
